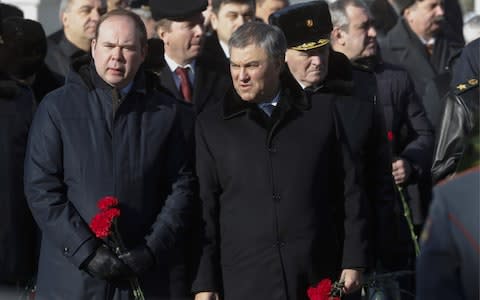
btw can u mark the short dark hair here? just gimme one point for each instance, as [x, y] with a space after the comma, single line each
[139, 25]
[268, 37]
[216, 4]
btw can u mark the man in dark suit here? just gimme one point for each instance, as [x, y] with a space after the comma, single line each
[420, 42]
[184, 71]
[447, 267]
[226, 17]
[268, 157]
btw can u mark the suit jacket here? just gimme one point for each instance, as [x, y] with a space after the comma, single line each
[402, 47]
[211, 82]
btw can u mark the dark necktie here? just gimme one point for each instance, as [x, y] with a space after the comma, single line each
[429, 48]
[185, 87]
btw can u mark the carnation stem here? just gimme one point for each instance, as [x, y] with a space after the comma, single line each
[408, 216]
[134, 283]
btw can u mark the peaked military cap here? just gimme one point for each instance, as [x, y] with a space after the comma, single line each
[305, 25]
[177, 9]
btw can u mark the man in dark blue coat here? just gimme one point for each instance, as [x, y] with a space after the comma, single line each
[108, 132]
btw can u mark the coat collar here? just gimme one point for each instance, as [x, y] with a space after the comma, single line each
[292, 96]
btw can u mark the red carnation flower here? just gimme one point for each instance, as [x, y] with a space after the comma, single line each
[107, 202]
[321, 291]
[390, 135]
[101, 223]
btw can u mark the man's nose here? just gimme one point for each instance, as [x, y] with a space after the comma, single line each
[95, 14]
[243, 74]
[372, 32]
[198, 29]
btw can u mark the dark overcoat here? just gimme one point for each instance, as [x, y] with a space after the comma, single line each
[413, 134]
[402, 47]
[82, 149]
[363, 120]
[17, 229]
[60, 55]
[267, 187]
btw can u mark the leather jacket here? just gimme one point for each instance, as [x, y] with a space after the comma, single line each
[458, 136]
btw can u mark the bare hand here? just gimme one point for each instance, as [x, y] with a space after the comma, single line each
[352, 280]
[401, 171]
[206, 296]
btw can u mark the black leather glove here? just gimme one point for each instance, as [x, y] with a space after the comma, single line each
[139, 259]
[104, 264]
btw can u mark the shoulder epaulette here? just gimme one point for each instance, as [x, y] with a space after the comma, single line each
[463, 87]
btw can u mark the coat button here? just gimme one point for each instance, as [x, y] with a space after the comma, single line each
[276, 197]
[66, 250]
[272, 149]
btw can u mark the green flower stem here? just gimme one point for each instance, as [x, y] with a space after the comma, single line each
[408, 217]
[134, 283]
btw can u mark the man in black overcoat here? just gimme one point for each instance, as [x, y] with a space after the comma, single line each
[268, 160]
[322, 70]
[420, 42]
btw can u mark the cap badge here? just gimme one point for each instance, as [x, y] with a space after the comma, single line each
[309, 23]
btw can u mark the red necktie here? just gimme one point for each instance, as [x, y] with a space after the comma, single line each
[185, 88]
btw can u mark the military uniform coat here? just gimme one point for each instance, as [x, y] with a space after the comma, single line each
[267, 186]
[447, 267]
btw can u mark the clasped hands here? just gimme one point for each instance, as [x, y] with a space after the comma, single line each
[106, 265]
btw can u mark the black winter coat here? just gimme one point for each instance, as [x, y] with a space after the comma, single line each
[412, 131]
[81, 150]
[267, 190]
[402, 47]
[17, 227]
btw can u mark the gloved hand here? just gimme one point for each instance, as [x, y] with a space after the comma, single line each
[139, 259]
[104, 264]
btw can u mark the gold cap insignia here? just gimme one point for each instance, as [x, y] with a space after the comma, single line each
[462, 87]
[473, 81]
[311, 45]
[309, 23]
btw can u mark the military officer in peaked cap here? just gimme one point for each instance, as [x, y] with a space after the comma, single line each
[320, 70]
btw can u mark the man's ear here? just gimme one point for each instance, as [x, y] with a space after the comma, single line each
[64, 19]
[338, 36]
[214, 21]
[92, 47]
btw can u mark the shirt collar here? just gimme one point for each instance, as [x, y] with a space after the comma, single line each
[274, 101]
[224, 48]
[172, 65]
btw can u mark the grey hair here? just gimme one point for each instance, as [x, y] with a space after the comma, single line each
[471, 28]
[270, 38]
[65, 7]
[338, 12]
